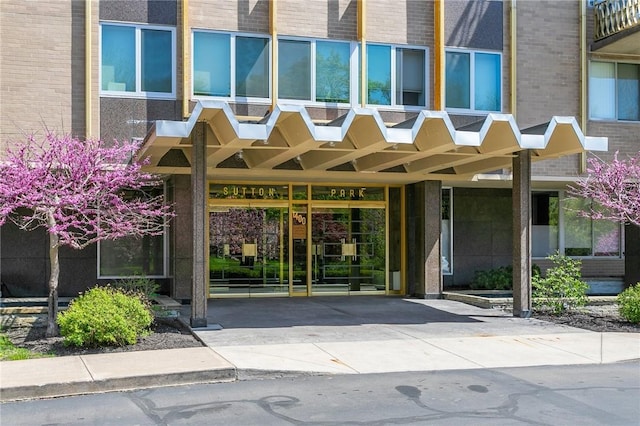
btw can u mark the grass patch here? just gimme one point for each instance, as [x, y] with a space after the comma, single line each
[9, 352]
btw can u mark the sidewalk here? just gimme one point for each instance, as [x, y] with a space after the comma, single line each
[325, 335]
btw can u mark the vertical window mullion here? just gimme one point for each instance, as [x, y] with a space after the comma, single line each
[138, 60]
[354, 73]
[313, 76]
[232, 61]
[393, 89]
[561, 227]
[472, 81]
[616, 82]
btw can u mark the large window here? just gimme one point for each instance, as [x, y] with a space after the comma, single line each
[559, 226]
[473, 80]
[396, 76]
[137, 61]
[614, 91]
[226, 65]
[132, 257]
[314, 70]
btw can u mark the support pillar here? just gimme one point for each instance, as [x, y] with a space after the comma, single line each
[428, 257]
[631, 255]
[199, 205]
[521, 194]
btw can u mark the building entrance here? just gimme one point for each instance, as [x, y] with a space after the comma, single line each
[318, 241]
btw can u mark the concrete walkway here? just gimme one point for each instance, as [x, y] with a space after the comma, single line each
[276, 337]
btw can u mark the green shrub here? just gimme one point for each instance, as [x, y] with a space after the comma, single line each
[493, 279]
[561, 289]
[629, 303]
[148, 287]
[105, 316]
[497, 279]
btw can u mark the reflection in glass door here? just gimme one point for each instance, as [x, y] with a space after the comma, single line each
[248, 251]
[348, 252]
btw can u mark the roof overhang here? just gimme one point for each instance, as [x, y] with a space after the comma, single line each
[358, 147]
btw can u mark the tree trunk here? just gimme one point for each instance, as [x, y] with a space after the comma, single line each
[52, 325]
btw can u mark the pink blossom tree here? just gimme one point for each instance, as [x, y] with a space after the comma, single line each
[80, 192]
[614, 187]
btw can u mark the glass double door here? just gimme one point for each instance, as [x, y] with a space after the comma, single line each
[298, 250]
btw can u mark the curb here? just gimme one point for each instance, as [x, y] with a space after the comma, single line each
[55, 390]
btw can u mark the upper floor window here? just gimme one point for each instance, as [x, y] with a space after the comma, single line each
[396, 76]
[315, 70]
[229, 65]
[614, 91]
[473, 80]
[137, 61]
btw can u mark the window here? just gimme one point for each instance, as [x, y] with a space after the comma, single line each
[396, 75]
[473, 80]
[229, 65]
[545, 223]
[137, 61]
[614, 91]
[447, 231]
[133, 257]
[317, 71]
[566, 230]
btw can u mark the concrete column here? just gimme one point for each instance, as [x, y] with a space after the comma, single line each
[522, 234]
[427, 255]
[631, 255]
[199, 204]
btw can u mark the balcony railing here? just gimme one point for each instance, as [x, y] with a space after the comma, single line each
[614, 16]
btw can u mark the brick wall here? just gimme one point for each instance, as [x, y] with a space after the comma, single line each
[246, 16]
[409, 22]
[333, 19]
[548, 62]
[42, 72]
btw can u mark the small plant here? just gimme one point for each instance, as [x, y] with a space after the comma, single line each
[10, 352]
[562, 288]
[629, 303]
[493, 279]
[144, 285]
[105, 316]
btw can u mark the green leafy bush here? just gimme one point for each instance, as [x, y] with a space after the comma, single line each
[105, 316]
[498, 278]
[561, 289]
[148, 287]
[629, 303]
[493, 279]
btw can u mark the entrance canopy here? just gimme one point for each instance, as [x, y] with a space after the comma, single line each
[357, 147]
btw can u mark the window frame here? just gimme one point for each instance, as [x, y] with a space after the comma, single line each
[562, 232]
[353, 72]
[139, 93]
[165, 253]
[393, 64]
[232, 67]
[472, 85]
[616, 114]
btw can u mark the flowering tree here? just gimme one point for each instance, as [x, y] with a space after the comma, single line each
[80, 192]
[614, 187]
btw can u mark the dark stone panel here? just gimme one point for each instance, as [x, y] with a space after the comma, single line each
[474, 24]
[163, 12]
[482, 231]
[24, 277]
[465, 267]
[174, 158]
[471, 238]
[124, 119]
[632, 255]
